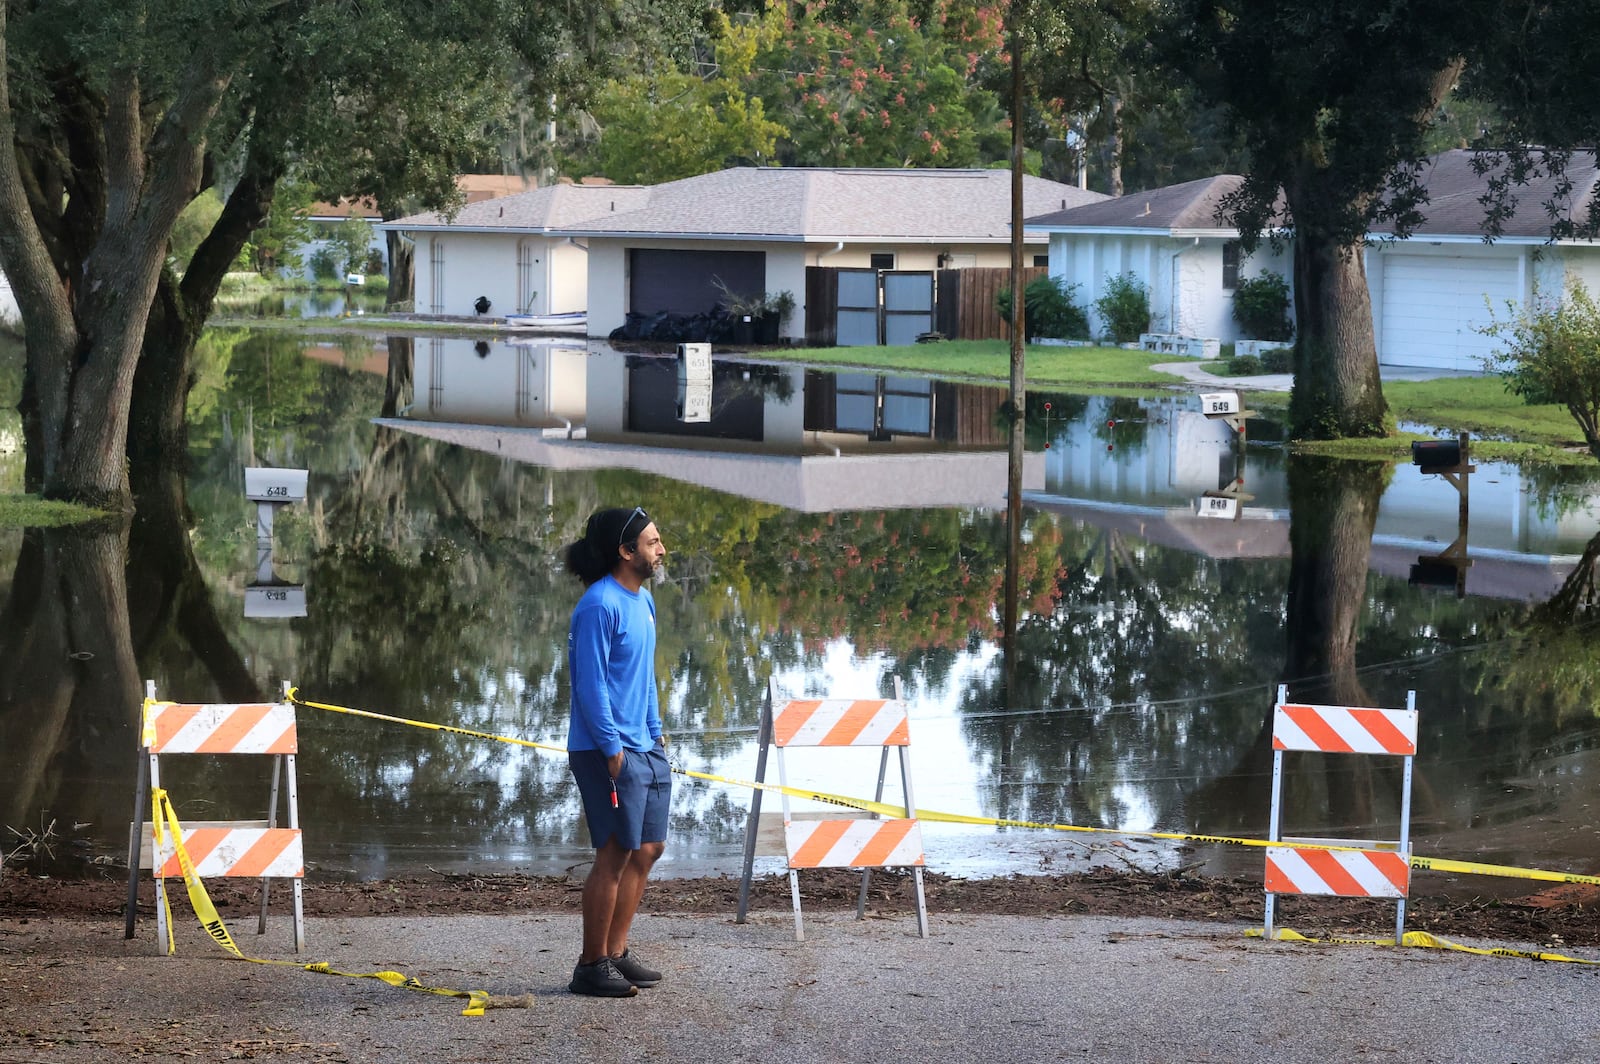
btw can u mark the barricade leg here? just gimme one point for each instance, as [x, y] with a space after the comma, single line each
[141, 802]
[922, 905]
[272, 822]
[753, 829]
[794, 892]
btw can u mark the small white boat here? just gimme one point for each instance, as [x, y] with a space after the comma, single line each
[576, 321]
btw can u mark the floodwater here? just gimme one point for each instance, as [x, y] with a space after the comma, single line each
[829, 533]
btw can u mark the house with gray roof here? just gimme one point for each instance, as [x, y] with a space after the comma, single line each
[756, 230]
[682, 246]
[1171, 241]
[1432, 293]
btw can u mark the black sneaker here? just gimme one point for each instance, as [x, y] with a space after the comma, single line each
[601, 979]
[638, 974]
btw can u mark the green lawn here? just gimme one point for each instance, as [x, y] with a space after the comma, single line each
[30, 511]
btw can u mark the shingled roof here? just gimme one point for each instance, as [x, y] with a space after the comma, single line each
[554, 207]
[1192, 205]
[1454, 206]
[815, 204]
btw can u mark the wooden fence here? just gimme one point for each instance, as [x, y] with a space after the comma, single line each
[964, 303]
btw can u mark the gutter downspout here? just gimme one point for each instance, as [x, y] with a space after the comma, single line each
[1172, 301]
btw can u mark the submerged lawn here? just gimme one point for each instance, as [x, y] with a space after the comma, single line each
[991, 360]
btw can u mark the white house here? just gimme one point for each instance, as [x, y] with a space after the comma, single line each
[516, 251]
[757, 229]
[1432, 293]
[612, 249]
[1171, 241]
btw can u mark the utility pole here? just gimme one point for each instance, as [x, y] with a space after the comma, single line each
[1018, 397]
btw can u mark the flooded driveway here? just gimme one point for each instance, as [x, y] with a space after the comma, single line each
[828, 533]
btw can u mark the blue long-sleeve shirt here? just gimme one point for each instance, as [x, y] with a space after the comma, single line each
[611, 649]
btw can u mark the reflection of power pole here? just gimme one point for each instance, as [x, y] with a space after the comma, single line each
[1448, 459]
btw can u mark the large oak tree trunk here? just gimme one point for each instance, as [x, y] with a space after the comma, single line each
[1337, 389]
[402, 269]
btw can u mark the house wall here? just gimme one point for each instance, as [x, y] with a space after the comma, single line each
[922, 256]
[609, 284]
[486, 264]
[1183, 278]
[1554, 268]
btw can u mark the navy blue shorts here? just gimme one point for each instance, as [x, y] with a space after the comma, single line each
[644, 796]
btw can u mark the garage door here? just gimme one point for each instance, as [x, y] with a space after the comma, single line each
[1433, 306]
[687, 282]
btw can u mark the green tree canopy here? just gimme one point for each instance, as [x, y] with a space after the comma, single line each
[121, 114]
[670, 125]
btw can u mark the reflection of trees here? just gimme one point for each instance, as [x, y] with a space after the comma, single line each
[1090, 731]
[69, 688]
[1550, 664]
[898, 580]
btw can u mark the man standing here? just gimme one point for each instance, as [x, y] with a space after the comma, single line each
[614, 743]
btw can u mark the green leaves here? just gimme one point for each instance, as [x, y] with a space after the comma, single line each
[1551, 354]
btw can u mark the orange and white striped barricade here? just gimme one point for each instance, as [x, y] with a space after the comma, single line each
[1369, 868]
[249, 849]
[839, 843]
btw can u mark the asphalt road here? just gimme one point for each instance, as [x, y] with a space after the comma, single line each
[981, 988]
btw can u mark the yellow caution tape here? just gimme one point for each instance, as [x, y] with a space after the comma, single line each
[147, 737]
[165, 818]
[867, 805]
[1423, 940]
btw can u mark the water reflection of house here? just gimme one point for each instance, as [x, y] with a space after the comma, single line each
[1147, 484]
[802, 439]
[367, 358]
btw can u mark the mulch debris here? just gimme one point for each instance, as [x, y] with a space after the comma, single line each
[1561, 916]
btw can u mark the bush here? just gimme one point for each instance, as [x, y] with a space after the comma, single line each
[324, 263]
[1048, 310]
[1261, 307]
[1243, 366]
[1551, 354]
[1125, 308]
[1278, 360]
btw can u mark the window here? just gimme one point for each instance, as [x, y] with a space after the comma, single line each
[1041, 260]
[883, 260]
[1230, 265]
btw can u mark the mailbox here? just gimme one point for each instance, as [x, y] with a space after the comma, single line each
[1440, 571]
[1225, 507]
[275, 600]
[275, 485]
[1437, 455]
[1219, 404]
[694, 360]
[694, 402]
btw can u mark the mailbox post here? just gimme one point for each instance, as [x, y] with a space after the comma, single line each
[1450, 459]
[269, 489]
[694, 383]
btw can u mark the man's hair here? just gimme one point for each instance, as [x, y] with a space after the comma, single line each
[595, 555]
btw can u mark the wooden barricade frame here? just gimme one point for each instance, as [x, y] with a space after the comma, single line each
[253, 849]
[1370, 868]
[816, 843]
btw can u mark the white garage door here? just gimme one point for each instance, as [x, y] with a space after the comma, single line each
[1433, 306]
